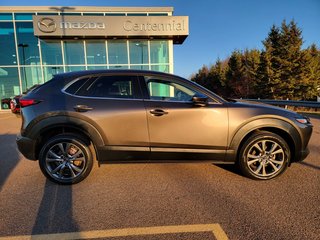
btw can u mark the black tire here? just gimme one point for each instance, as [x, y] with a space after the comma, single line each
[264, 156]
[66, 159]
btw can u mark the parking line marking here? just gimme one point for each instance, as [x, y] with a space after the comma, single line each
[124, 232]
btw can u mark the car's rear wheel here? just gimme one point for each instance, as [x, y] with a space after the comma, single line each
[66, 159]
[264, 155]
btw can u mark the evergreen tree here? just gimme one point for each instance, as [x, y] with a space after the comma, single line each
[264, 88]
[202, 76]
[281, 70]
[234, 75]
[312, 90]
[212, 78]
[283, 64]
[269, 70]
[250, 64]
[241, 75]
[216, 78]
[294, 74]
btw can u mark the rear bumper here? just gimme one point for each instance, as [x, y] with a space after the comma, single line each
[27, 147]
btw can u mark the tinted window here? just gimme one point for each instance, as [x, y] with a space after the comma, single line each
[139, 52]
[74, 52]
[96, 52]
[159, 51]
[118, 52]
[5, 16]
[27, 44]
[73, 88]
[51, 53]
[111, 87]
[166, 90]
[7, 47]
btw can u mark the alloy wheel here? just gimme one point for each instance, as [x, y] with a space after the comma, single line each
[65, 161]
[265, 158]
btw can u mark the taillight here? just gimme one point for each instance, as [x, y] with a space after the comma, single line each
[28, 102]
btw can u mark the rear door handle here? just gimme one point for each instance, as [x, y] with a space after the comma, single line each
[158, 112]
[82, 108]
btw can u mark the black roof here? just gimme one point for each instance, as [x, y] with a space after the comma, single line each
[116, 71]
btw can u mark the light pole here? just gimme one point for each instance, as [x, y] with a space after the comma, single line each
[23, 46]
[61, 10]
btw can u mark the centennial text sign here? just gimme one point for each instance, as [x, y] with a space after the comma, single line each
[111, 26]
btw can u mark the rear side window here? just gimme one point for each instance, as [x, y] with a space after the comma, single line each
[111, 87]
[75, 86]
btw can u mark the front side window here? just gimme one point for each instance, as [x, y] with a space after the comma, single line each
[111, 87]
[166, 90]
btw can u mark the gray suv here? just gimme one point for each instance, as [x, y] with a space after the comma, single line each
[142, 116]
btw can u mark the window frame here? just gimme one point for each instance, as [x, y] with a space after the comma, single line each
[191, 86]
[93, 78]
[169, 84]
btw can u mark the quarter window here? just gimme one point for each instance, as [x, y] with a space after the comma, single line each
[74, 87]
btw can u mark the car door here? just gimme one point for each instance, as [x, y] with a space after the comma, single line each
[114, 103]
[180, 128]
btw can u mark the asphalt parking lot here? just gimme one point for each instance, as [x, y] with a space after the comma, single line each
[157, 201]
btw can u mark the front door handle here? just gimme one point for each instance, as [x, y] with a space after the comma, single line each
[82, 108]
[158, 112]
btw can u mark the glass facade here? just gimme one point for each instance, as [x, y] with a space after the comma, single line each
[26, 60]
[96, 52]
[51, 53]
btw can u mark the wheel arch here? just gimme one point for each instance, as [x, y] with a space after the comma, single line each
[50, 126]
[278, 126]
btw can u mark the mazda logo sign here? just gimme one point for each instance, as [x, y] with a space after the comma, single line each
[47, 25]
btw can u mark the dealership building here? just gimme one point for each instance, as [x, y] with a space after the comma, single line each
[38, 42]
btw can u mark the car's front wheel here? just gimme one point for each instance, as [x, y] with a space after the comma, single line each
[264, 155]
[66, 159]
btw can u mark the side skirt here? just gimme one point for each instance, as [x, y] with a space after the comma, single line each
[124, 154]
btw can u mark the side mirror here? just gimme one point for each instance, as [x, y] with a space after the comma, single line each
[200, 100]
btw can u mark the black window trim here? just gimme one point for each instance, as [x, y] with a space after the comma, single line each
[178, 81]
[89, 78]
[94, 77]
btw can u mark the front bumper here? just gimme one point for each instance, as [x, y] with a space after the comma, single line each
[303, 155]
[302, 150]
[27, 147]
